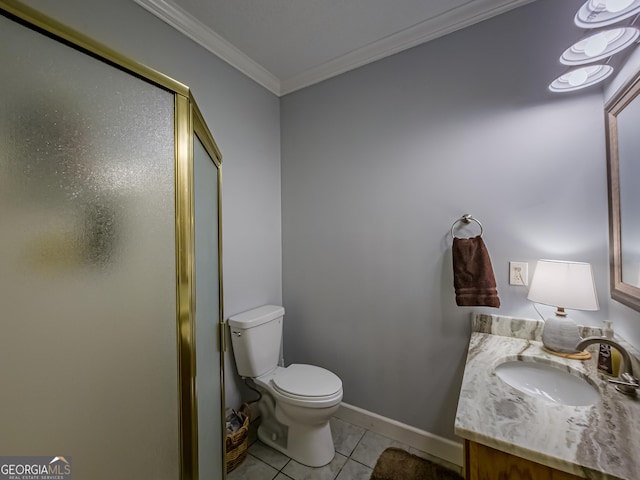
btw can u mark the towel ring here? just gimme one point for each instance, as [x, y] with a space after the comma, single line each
[466, 218]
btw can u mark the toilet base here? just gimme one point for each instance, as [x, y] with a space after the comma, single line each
[310, 445]
[299, 431]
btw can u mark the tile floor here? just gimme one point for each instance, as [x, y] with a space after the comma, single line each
[357, 451]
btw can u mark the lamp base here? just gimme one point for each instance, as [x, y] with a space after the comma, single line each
[560, 334]
[584, 355]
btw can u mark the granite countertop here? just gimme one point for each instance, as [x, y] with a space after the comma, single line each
[599, 441]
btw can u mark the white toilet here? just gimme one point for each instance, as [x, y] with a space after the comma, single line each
[297, 401]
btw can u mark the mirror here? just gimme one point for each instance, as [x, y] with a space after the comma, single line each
[623, 168]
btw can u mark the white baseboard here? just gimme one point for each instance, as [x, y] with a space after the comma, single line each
[414, 437]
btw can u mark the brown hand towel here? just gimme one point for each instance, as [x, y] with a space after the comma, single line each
[473, 274]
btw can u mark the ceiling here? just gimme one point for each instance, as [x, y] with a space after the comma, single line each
[286, 45]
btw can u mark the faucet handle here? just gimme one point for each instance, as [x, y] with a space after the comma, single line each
[627, 383]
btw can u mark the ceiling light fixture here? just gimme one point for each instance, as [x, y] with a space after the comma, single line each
[600, 13]
[599, 46]
[580, 78]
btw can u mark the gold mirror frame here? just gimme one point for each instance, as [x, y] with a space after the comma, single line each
[623, 292]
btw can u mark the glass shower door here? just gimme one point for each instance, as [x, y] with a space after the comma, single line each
[87, 245]
[207, 319]
[98, 333]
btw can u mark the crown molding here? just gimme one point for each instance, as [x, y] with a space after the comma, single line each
[472, 12]
[456, 19]
[207, 38]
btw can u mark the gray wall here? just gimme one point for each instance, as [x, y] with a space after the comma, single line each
[243, 117]
[379, 162]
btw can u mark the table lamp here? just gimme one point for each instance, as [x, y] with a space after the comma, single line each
[563, 284]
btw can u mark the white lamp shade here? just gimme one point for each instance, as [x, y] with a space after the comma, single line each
[564, 284]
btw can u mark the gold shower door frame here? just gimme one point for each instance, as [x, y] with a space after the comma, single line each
[188, 123]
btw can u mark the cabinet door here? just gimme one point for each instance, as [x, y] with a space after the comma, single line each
[485, 463]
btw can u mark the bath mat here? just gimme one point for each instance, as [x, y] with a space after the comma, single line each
[398, 464]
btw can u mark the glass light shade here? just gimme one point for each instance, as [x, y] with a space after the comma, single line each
[601, 13]
[564, 284]
[599, 46]
[580, 78]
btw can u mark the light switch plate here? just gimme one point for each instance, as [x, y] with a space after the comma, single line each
[519, 273]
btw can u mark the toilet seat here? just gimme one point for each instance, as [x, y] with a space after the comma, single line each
[303, 385]
[302, 380]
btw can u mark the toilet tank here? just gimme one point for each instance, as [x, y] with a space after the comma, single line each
[256, 336]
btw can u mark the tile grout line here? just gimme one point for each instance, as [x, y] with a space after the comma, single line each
[344, 444]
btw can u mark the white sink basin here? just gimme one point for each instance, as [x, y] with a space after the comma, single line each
[547, 382]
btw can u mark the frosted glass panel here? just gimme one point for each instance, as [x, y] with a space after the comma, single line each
[87, 247]
[208, 369]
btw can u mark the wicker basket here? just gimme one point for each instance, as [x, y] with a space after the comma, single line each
[237, 442]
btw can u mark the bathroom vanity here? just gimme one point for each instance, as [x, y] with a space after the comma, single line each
[592, 433]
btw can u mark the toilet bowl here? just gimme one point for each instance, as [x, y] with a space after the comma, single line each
[297, 401]
[301, 398]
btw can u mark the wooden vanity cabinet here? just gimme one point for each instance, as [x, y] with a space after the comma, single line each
[485, 463]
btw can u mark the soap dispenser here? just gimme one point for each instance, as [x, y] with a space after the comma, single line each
[608, 357]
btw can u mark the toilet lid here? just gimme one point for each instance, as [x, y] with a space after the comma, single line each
[307, 381]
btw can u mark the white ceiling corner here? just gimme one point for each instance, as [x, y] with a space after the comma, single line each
[425, 27]
[430, 29]
[207, 38]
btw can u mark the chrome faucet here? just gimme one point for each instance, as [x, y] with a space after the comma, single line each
[626, 382]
